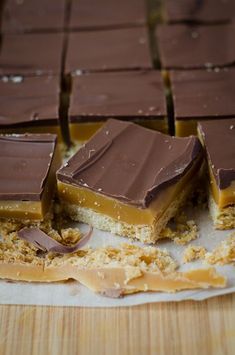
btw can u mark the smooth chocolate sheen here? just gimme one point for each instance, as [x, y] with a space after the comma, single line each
[130, 163]
[44, 242]
[29, 101]
[195, 47]
[90, 14]
[33, 15]
[204, 11]
[119, 49]
[31, 54]
[219, 140]
[118, 95]
[25, 162]
[201, 94]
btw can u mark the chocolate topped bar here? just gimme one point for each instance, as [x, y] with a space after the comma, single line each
[29, 101]
[33, 15]
[130, 163]
[118, 49]
[203, 94]
[25, 163]
[31, 54]
[219, 140]
[90, 14]
[203, 11]
[120, 95]
[195, 47]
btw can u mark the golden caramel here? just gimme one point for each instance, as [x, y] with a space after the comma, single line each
[223, 197]
[184, 128]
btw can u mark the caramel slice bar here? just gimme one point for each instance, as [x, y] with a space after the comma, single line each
[98, 96]
[90, 14]
[129, 180]
[30, 104]
[27, 175]
[31, 54]
[218, 138]
[201, 95]
[117, 49]
[196, 47]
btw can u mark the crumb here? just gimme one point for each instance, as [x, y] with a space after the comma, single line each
[193, 252]
[224, 253]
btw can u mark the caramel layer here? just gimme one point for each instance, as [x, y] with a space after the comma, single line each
[223, 197]
[84, 131]
[184, 128]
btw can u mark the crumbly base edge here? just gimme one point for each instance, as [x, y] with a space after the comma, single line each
[223, 218]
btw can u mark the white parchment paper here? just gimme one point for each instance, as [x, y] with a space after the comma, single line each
[72, 293]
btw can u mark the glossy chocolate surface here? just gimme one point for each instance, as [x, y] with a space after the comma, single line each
[29, 101]
[195, 47]
[126, 95]
[31, 54]
[202, 94]
[119, 49]
[219, 140]
[130, 163]
[25, 162]
[92, 14]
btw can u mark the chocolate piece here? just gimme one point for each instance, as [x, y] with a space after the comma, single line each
[29, 102]
[130, 163]
[25, 162]
[99, 96]
[42, 241]
[108, 50]
[203, 95]
[33, 15]
[207, 11]
[90, 14]
[31, 54]
[219, 140]
[193, 47]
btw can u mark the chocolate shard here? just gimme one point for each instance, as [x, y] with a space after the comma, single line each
[43, 242]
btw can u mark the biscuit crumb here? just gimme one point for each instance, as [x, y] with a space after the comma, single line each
[194, 252]
[224, 253]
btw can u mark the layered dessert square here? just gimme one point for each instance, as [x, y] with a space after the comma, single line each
[90, 14]
[129, 180]
[117, 49]
[206, 11]
[30, 104]
[98, 96]
[27, 176]
[218, 138]
[33, 16]
[31, 54]
[201, 95]
[195, 47]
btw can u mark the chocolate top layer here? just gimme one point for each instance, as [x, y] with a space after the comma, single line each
[98, 95]
[202, 95]
[25, 162]
[193, 47]
[90, 14]
[130, 163]
[33, 15]
[31, 54]
[219, 140]
[108, 50]
[29, 101]
[200, 10]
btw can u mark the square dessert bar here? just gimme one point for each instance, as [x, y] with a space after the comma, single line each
[195, 47]
[206, 11]
[31, 54]
[130, 95]
[33, 15]
[218, 137]
[117, 49]
[201, 95]
[90, 14]
[27, 176]
[30, 104]
[129, 180]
